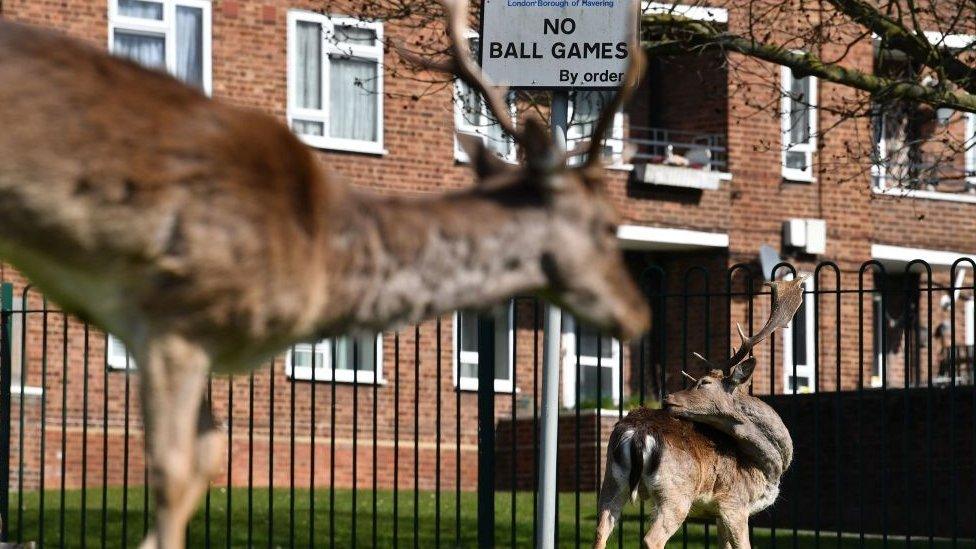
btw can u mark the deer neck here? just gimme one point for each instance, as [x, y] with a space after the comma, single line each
[401, 260]
[760, 434]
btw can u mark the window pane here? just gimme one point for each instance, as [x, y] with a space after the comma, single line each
[804, 384]
[588, 385]
[594, 344]
[353, 99]
[141, 9]
[355, 35]
[799, 110]
[469, 370]
[800, 335]
[307, 127]
[501, 366]
[146, 49]
[355, 353]
[468, 324]
[470, 105]
[308, 65]
[302, 356]
[189, 45]
[796, 160]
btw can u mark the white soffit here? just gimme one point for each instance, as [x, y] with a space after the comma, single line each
[899, 256]
[951, 41]
[640, 237]
[698, 13]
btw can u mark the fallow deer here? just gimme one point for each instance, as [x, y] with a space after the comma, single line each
[715, 451]
[208, 238]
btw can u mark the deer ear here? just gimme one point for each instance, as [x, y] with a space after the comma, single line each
[484, 162]
[742, 372]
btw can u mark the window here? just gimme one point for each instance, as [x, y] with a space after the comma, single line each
[799, 125]
[348, 359]
[18, 359]
[584, 111]
[116, 356]
[335, 82]
[799, 343]
[466, 349]
[599, 366]
[170, 35]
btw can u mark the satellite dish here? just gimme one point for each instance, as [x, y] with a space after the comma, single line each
[768, 259]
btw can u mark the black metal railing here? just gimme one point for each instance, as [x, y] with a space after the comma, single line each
[375, 442]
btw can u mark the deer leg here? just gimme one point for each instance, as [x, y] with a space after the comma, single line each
[181, 437]
[666, 518]
[733, 530]
[613, 496]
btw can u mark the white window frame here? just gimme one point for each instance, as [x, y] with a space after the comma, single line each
[504, 341]
[615, 140]
[329, 47]
[809, 148]
[970, 153]
[969, 310]
[569, 363]
[804, 368]
[167, 29]
[326, 372]
[115, 362]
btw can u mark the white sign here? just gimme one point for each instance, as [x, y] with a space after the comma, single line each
[557, 44]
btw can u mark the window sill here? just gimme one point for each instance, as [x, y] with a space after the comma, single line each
[466, 388]
[799, 178]
[15, 391]
[327, 379]
[928, 195]
[462, 159]
[372, 149]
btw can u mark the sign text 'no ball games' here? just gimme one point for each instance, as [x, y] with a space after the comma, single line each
[558, 43]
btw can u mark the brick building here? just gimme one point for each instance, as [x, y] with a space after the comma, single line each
[706, 188]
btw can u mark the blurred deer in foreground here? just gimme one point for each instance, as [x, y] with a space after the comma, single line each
[209, 238]
[714, 452]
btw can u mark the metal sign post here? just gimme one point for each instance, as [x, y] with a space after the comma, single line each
[557, 45]
[551, 336]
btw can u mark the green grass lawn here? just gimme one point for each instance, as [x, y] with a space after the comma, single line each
[368, 530]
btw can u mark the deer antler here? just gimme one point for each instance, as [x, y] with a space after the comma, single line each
[605, 122]
[787, 295]
[461, 63]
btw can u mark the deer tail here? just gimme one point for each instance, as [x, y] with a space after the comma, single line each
[636, 453]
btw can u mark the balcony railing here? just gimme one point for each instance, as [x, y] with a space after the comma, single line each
[696, 150]
[704, 151]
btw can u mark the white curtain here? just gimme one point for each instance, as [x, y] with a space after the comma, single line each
[355, 353]
[308, 66]
[189, 45]
[147, 50]
[141, 9]
[353, 100]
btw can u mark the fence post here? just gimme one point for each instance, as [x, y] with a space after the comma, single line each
[6, 305]
[486, 430]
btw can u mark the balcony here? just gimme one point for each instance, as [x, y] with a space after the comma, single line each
[674, 158]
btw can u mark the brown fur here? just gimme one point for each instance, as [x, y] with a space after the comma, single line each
[717, 452]
[209, 238]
